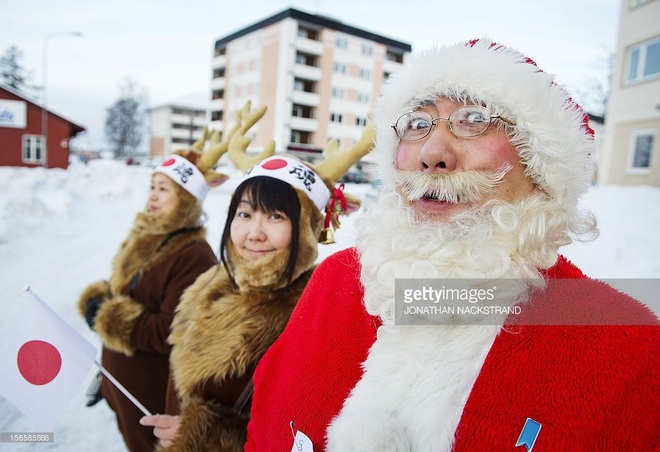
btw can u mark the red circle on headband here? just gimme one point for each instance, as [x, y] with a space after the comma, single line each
[274, 164]
[168, 162]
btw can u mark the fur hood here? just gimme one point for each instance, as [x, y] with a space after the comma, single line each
[245, 312]
[266, 274]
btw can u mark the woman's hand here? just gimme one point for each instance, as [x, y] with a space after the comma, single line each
[166, 427]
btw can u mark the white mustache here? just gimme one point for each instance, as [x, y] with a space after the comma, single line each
[455, 187]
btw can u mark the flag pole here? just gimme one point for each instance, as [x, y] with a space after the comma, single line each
[122, 389]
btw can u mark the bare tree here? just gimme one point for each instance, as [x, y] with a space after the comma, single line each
[595, 92]
[125, 119]
[13, 73]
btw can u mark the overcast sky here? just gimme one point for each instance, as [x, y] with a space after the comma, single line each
[166, 46]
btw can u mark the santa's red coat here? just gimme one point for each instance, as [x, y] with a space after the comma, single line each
[591, 387]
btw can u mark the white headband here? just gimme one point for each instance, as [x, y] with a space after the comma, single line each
[296, 174]
[186, 174]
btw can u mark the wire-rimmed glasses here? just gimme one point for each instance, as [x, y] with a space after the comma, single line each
[464, 122]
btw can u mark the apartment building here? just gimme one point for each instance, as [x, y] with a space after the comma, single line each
[318, 76]
[630, 148]
[178, 124]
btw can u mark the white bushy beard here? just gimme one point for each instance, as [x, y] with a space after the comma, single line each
[417, 379]
[497, 240]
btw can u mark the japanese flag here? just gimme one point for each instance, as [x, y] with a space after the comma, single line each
[43, 362]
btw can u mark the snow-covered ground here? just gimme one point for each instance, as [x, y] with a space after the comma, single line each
[59, 231]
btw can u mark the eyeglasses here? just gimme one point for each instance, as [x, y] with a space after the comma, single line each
[467, 121]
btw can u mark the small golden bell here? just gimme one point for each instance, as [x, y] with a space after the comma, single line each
[327, 237]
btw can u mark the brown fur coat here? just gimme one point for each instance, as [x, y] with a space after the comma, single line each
[218, 336]
[133, 324]
[116, 317]
[221, 330]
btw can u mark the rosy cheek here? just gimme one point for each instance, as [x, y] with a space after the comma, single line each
[501, 151]
[403, 156]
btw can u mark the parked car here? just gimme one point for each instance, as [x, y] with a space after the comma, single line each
[353, 177]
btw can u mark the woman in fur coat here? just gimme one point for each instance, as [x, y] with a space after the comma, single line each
[230, 316]
[165, 251]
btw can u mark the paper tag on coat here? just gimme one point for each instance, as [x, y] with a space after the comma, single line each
[301, 443]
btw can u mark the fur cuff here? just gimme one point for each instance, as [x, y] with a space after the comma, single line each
[115, 321]
[100, 289]
[210, 426]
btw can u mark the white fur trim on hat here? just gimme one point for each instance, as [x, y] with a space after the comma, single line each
[184, 173]
[551, 133]
[295, 173]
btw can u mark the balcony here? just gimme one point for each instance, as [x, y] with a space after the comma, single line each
[306, 98]
[390, 66]
[218, 83]
[307, 72]
[304, 124]
[184, 134]
[219, 61]
[217, 104]
[309, 46]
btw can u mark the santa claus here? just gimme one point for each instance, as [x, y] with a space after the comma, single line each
[483, 159]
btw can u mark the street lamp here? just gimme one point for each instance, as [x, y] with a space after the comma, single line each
[44, 112]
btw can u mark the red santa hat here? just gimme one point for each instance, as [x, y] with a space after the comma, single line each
[551, 133]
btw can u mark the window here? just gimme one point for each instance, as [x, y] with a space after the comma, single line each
[338, 93]
[335, 117]
[642, 148]
[365, 74]
[302, 111]
[341, 43]
[339, 68]
[300, 137]
[182, 126]
[33, 149]
[367, 50]
[393, 56]
[305, 59]
[304, 85]
[361, 121]
[643, 61]
[363, 98]
[308, 33]
[216, 115]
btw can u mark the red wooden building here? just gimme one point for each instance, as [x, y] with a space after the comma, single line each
[21, 133]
